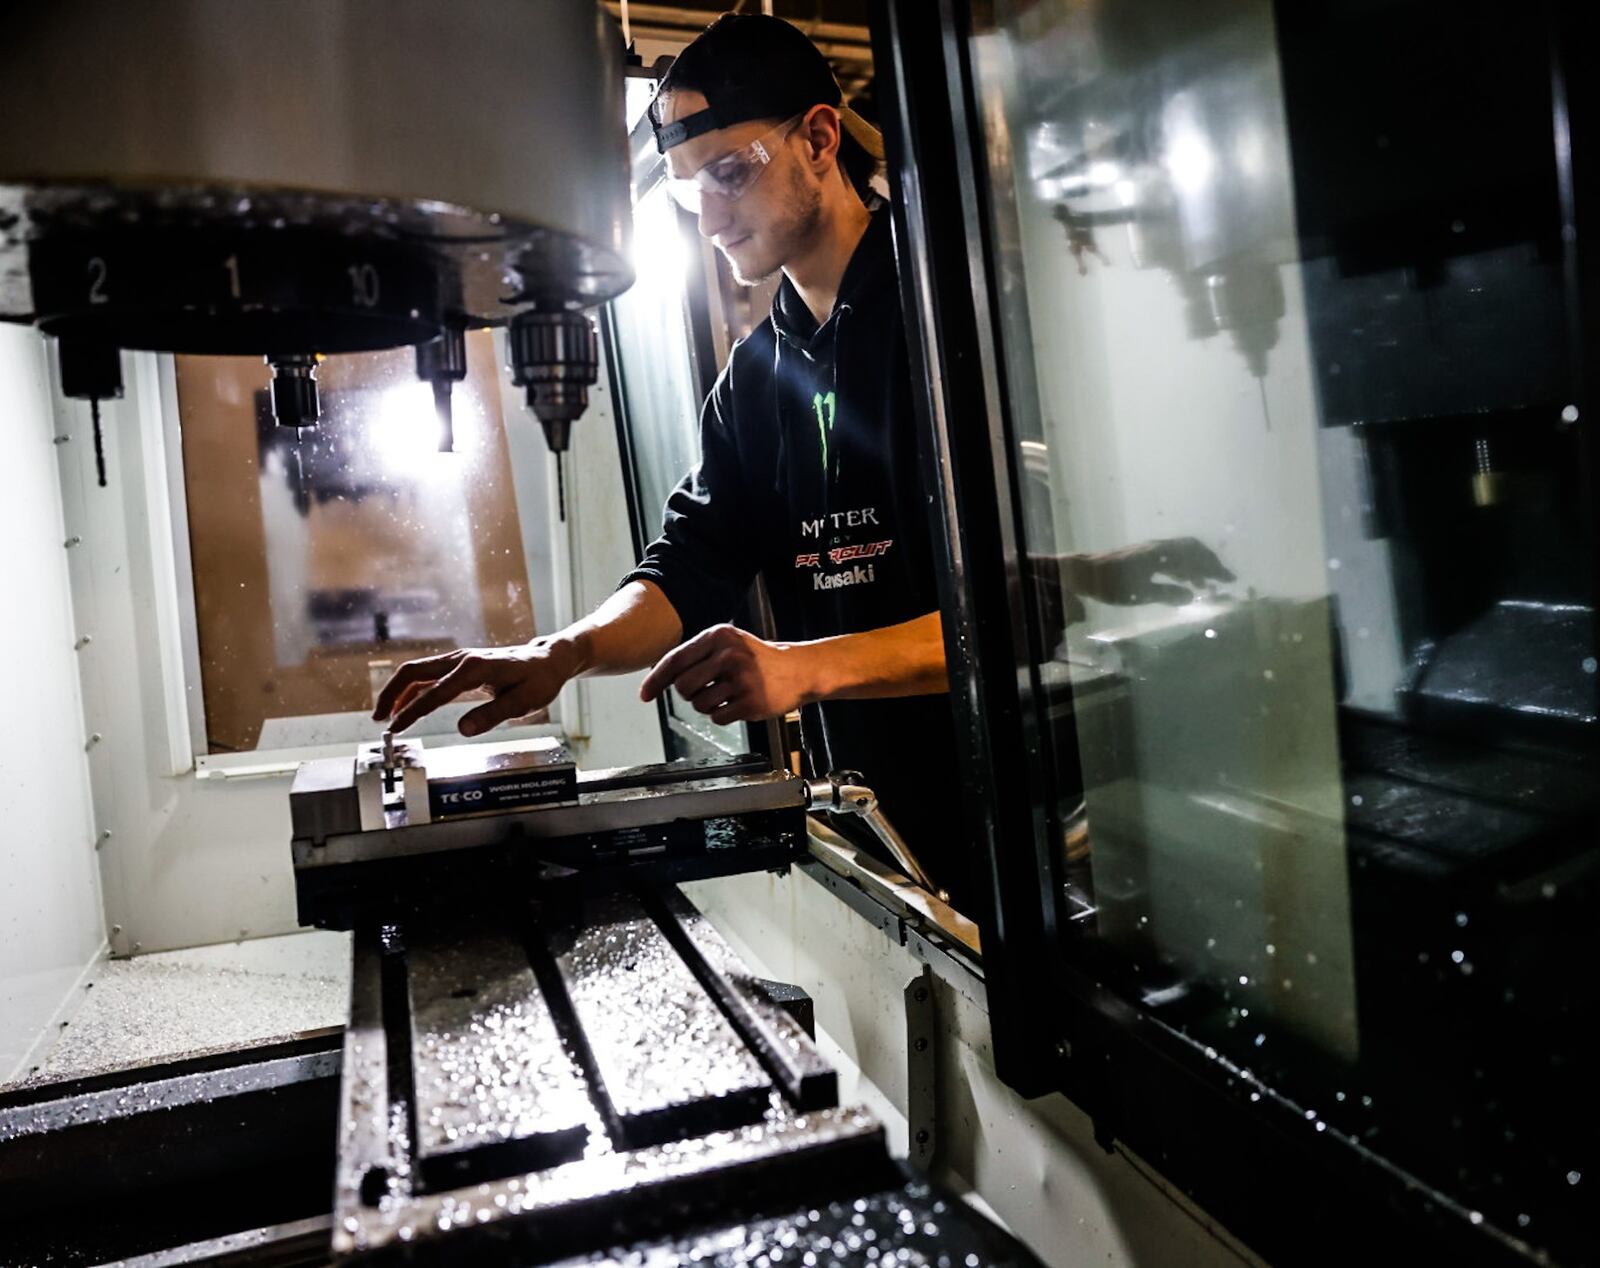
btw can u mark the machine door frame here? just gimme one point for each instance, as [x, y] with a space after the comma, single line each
[1249, 1155]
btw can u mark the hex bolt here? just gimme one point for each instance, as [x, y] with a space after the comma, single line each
[921, 1045]
[94, 739]
[920, 994]
[922, 1136]
[116, 929]
[83, 642]
[72, 541]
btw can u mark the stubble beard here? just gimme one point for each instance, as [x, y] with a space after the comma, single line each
[788, 236]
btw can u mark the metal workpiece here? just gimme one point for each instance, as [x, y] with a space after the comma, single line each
[390, 776]
[807, 1080]
[669, 1065]
[489, 1068]
[844, 792]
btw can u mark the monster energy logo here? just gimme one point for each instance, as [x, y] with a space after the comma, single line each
[824, 405]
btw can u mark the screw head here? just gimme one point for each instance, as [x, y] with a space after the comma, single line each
[920, 994]
[921, 1045]
[1064, 1050]
[922, 1136]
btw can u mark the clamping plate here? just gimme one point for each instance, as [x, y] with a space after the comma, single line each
[563, 1078]
[397, 821]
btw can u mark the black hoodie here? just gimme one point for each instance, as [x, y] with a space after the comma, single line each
[808, 475]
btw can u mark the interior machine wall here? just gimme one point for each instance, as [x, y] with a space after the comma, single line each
[51, 926]
[1035, 1163]
[192, 861]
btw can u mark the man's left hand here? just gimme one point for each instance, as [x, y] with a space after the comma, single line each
[731, 675]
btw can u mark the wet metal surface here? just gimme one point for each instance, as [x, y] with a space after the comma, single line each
[683, 1120]
[370, 1168]
[488, 1065]
[806, 1079]
[296, 1242]
[568, 1202]
[909, 1227]
[669, 1063]
[35, 1118]
[1535, 659]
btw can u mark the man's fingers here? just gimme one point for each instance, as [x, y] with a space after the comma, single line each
[429, 668]
[412, 691]
[513, 704]
[668, 669]
[1189, 559]
[1160, 592]
[705, 673]
[713, 694]
[467, 675]
[739, 709]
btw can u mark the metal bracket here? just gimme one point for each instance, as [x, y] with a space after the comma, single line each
[922, 1089]
[843, 792]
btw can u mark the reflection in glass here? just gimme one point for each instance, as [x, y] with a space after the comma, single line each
[1287, 348]
[324, 560]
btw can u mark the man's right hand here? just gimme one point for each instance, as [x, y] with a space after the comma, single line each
[521, 680]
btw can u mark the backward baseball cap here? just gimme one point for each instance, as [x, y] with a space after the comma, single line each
[751, 66]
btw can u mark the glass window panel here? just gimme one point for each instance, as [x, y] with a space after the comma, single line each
[658, 381]
[322, 562]
[1287, 341]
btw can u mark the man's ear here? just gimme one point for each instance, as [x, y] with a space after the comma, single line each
[822, 133]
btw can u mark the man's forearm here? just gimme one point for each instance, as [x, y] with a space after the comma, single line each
[897, 660]
[631, 630]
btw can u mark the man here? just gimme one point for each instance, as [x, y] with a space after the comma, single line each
[808, 473]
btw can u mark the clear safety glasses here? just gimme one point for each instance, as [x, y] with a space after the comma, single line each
[731, 175]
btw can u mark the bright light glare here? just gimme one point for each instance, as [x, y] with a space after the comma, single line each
[1102, 174]
[1189, 157]
[407, 434]
[660, 254]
